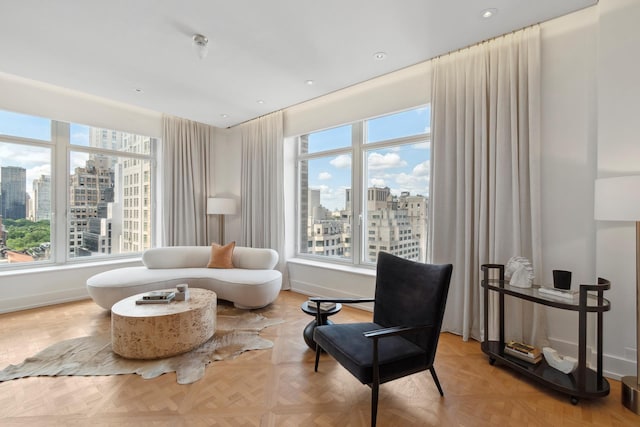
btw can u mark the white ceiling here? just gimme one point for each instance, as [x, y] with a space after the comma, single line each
[258, 49]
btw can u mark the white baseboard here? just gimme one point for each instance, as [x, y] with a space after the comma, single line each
[312, 289]
[26, 302]
[614, 367]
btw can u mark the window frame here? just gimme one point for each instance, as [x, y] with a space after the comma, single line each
[61, 147]
[358, 151]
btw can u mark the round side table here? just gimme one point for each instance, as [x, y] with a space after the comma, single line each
[324, 314]
[153, 331]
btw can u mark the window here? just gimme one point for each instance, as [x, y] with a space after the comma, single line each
[374, 171]
[92, 173]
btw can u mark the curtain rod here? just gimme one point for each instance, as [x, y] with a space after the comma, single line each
[408, 66]
[485, 41]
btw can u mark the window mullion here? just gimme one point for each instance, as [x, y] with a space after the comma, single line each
[60, 167]
[357, 205]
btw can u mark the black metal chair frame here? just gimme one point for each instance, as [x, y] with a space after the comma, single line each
[375, 335]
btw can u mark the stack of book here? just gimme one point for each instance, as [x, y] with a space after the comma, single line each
[567, 294]
[324, 306]
[157, 297]
[522, 351]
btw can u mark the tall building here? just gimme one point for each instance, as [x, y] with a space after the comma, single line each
[13, 185]
[395, 224]
[304, 207]
[42, 198]
[110, 198]
[105, 138]
[136, 195]
[90, 189]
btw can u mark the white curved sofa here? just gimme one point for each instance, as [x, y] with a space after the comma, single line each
[253, 283]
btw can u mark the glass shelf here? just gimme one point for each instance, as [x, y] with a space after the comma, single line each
[594, 303]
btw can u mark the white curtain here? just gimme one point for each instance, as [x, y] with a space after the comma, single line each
[262, 183]
[485, 181]
[187, 179]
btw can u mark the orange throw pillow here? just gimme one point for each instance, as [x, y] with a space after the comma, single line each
[221, 256]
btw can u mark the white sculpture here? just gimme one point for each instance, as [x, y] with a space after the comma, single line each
[565, 364]
[519, 271]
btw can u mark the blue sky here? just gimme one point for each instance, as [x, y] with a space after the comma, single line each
[36, 160]
[400, 168]
[403, 168]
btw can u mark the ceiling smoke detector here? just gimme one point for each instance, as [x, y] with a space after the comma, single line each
[200, 44]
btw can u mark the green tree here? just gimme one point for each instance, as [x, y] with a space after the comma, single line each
[24, 234]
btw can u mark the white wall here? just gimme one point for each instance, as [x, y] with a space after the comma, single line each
[24, 289]
[400, 90]
[568, 139]
[55, 284]
[618, 154]
[42, 99]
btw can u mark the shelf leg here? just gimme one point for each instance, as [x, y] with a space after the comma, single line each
[631, 385]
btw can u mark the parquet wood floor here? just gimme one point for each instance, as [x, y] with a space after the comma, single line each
[278, 387]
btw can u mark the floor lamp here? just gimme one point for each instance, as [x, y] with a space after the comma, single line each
[618, 199]
[221, 206]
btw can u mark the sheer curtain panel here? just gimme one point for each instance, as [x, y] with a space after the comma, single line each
[187, 177]
[262, 185]
[485, 180]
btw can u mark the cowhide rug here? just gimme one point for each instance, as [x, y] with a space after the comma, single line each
[237, 331]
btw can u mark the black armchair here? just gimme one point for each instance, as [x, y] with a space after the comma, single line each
[409, 305]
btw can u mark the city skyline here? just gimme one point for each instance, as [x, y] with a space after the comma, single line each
[108, 184]
[35, 159]
[404, 168]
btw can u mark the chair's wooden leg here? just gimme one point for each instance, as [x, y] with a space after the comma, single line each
[375, 384]
[374, 403]
[435, 379]
[317, 357]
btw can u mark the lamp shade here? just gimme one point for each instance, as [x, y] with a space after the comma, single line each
[221, 206]
[617, 199]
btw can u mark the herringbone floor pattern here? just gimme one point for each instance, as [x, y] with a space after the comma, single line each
[278, 387]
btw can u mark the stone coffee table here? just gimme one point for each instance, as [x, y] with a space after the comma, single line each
[152, 331]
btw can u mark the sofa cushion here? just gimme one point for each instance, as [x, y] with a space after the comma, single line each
[198, 257]
[221, 256]
[176, 257]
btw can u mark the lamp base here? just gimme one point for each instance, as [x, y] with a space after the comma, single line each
[631, 394]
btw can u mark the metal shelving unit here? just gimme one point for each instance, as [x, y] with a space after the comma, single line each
[584, 382]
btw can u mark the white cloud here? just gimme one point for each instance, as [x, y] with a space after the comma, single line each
[422, 169]
[331, 198]
[389, 160]
[36, 172]
[412, 183]
[342, 161]
[422, 146]
[80, 137]
[377, 182]
[324, 176]
[404, 179]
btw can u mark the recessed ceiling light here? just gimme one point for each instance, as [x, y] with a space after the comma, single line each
[309, 82]
[139, 90]
[224, 116]
[200, 43]
[488, 13]
[260, 101]
[380, 55]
